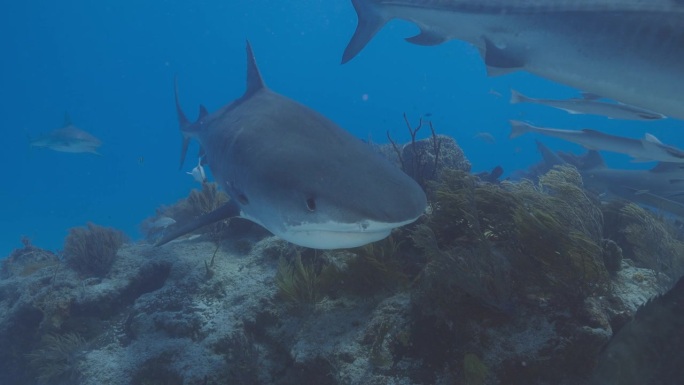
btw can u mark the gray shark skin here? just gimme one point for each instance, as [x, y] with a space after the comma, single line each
[626, 50]
[297, 174]
[69, 138]
[647, 149]
[647, 350]
[591, 106]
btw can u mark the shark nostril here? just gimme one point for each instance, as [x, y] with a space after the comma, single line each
[311, 204]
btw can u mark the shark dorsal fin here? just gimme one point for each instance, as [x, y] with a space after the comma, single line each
[652, 139]
[254, 80]
[203, 112]
[67, 120]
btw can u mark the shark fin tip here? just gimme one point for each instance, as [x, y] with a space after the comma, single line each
[370, 21]
[254, 80]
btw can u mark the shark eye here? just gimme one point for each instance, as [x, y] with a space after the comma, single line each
[242, 198]
[311, 204]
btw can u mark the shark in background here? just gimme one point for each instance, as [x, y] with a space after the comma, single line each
[591, 105]
[68, 138]
[649, 148]
[296, 173]
[661, 187]
[626, 50]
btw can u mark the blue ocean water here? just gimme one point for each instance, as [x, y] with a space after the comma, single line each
[110, 65]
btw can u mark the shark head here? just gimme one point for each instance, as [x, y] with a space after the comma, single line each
[298, 174]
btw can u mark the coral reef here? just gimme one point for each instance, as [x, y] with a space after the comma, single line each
[298, 282]
[515, 283]
[58, 358]
[424, 159]
[27, 261]
[91, 250]
[647, 240]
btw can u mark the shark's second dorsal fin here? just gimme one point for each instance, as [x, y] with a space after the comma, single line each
[254, 80]
[67, 120]
[203, 112]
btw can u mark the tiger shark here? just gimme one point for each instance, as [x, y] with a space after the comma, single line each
[626, 50]
[296, 173]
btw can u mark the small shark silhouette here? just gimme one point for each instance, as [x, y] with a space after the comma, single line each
[69, 138]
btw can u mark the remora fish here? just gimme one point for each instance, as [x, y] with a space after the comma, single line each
[296, 173]
[625, 50]
[69, 138]
[647, 149]
[647, 350]
[591, 106]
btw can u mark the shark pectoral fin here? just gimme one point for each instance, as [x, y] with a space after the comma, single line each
[500, 61]
[229, 210]
[427, 37]
[370, 22]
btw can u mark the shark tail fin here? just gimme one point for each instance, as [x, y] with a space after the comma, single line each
[183, 122]
[519, 128]
[369, 23]
[254, 80]
[517, 97]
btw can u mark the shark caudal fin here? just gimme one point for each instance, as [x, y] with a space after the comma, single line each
[183, 122]
[370, 21]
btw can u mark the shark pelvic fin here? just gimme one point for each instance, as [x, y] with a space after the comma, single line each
[370, 22]
[500, 61]
[229, 210]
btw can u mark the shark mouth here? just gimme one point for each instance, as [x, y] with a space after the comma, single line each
[332, 235]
